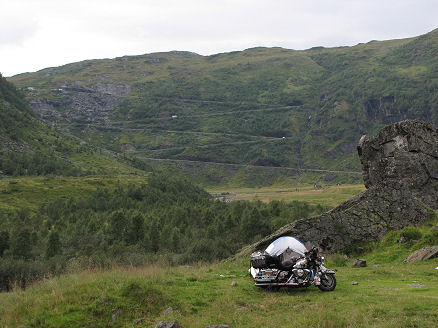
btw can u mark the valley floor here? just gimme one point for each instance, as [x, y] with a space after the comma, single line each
[325, 196]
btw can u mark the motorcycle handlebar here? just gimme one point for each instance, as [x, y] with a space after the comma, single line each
[312, 252]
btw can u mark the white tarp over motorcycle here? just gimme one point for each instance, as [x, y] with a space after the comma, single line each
[279, 245]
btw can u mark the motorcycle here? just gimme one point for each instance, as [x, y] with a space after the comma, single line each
[287, 262]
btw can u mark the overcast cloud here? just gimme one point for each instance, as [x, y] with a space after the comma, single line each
[35, 34]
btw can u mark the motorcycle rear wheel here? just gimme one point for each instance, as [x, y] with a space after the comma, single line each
[328, 282]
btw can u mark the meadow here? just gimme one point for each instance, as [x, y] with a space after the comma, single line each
[387, 295]
[32, 192]
[330, 195]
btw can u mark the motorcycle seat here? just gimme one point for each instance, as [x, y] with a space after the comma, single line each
[276, 260]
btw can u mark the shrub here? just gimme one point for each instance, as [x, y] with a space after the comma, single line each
[53, 245]
[391, 238]
[20, 273]
[4, 241]
[411, 233]
[337, 260]
[429, 239]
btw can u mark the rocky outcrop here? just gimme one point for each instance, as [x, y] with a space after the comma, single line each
[423, 254]
[383, 110]
[403, 156]
[400, 169]
[360, 263]
[168, 324]
[81, 104]
[46, 109]
[119, 90]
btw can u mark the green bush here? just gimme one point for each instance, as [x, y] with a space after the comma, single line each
[391, 238]
[411, 233]
[429, 239]
[4, 241]
[20, 273]
[337, 260]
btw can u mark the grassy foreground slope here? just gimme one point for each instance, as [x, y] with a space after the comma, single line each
[389, 294]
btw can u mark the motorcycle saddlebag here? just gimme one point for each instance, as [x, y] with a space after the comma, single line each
[259, 260]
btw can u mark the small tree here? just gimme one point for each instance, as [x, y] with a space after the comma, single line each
[4, 241]
[175, 239]
[253, 224]
[53, 245]
[154, 237]
[21, 245]
[136, 229]
[117, 225]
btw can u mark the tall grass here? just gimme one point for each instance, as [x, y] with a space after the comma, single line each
[201, 295]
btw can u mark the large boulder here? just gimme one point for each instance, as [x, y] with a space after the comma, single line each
[168, 324]
[400, 169]
[403, 155]
[423, 254]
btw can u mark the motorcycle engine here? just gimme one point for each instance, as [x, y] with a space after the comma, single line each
[301, 264]
[301, 275]
[283, 276]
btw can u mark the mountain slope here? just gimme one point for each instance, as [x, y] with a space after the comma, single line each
[29, 146]
[262, 106]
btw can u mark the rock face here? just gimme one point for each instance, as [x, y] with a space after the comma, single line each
[400, 169]
[403, 156]
[78, 103]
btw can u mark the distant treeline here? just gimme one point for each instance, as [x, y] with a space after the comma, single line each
[166, 218]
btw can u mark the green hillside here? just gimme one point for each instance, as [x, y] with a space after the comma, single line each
[29, 146]
[268, 107]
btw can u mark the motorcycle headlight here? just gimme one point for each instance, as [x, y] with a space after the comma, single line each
[322, 259]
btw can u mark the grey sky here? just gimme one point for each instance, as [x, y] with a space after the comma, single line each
[35, 34]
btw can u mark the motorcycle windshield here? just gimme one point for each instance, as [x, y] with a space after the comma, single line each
[279, 245]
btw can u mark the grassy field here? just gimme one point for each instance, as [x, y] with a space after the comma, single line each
[31, 192]
[387, 295]
[326, 196]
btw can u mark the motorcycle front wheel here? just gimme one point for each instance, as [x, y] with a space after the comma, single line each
[328, 282]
